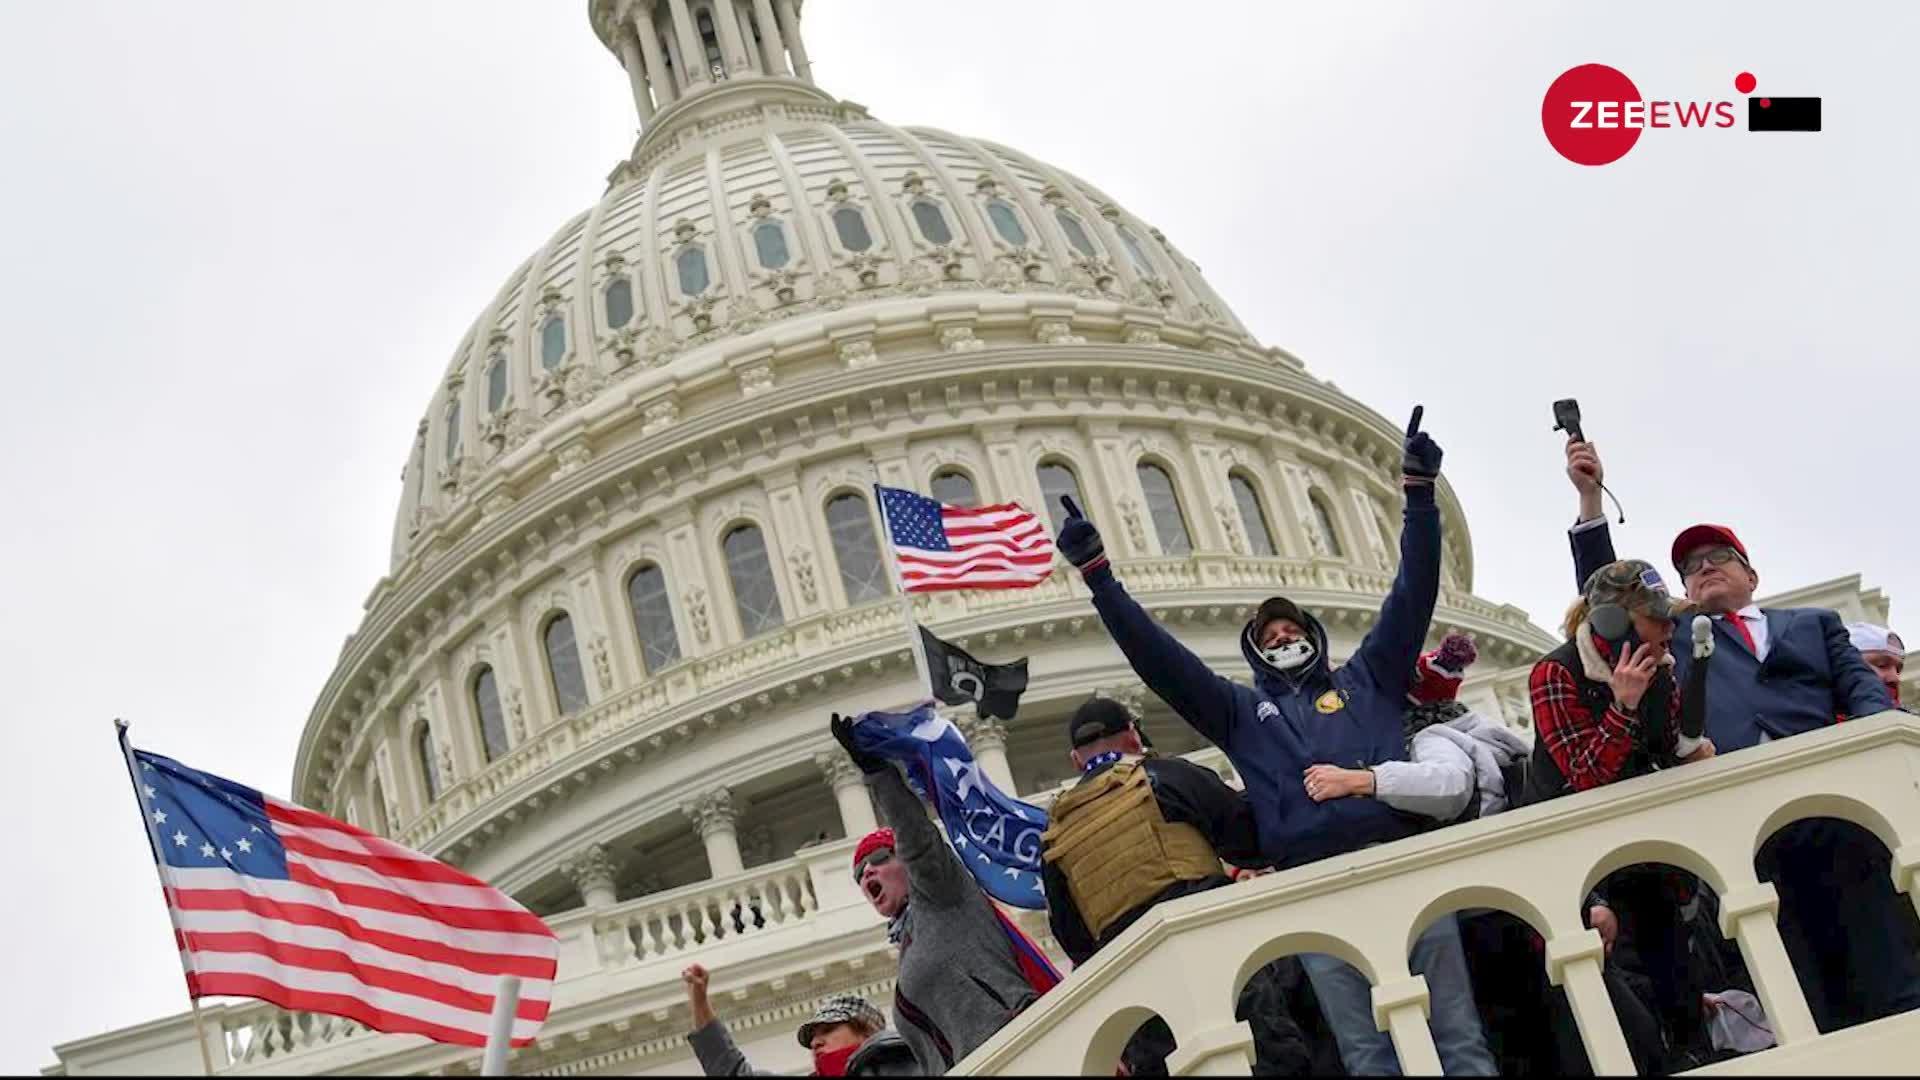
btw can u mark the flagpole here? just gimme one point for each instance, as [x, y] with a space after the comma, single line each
[167, 888]
[506, 1005]
[899, 586]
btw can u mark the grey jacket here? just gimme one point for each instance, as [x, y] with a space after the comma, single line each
[958, 982]
[883, 1054]
[1452, 762]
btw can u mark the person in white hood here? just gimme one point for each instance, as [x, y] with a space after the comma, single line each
[1459, 759]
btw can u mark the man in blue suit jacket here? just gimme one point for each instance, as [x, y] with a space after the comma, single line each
[1778, 672]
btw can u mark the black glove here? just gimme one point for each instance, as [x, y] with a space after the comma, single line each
[1079, 541]
[842, 727]
[1420, 455]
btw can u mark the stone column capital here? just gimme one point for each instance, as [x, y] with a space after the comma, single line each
[590, 869]
[982, 733]
[838, 769]
[712, 812]
[1131, 696]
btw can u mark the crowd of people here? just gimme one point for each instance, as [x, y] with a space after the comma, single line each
[1337, 758]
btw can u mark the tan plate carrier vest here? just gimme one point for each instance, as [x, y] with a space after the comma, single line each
[1116, 849]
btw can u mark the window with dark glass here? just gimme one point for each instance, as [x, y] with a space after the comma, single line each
[932, 222]
[1324, 529]
[453, 430]
[619, 302]
[553, 342]
[1138, 255]
[710, 43]
[1076, 233]
[496, 382]
[691, 265]
[851, 226]
[1253, 517]
[770, 244]
[1163, 506]
[653, 617]
[493, 722]
[1056, 480]
[955, 488]
[855, 549]
[429, 760]
[563, 663]
[755, 596]
[1006, 223]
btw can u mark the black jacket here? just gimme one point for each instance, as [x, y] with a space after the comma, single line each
[1187, 793]
[1544, 778]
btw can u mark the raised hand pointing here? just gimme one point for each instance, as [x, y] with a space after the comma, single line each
[1420, 455]
[1079, 542]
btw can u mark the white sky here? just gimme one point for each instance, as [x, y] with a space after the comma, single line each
[246, 237]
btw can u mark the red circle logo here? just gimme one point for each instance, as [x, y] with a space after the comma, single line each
[1582, 114]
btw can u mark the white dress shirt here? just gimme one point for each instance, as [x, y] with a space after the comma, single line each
[1756, 624]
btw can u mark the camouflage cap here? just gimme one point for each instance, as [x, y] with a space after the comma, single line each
[1635, 585]
[843, 1009]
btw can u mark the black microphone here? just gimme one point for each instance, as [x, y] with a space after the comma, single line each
[1693, 699]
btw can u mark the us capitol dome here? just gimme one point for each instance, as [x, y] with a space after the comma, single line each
[636, 560]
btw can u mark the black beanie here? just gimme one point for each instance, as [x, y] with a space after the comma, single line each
[1097, 719]
[1278, 607]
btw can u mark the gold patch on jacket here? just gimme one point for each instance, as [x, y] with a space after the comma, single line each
[1331, 702]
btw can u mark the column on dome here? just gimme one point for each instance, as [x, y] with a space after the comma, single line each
[988, 739]
[1295, 509]
[773, 47]
[692, 59]
[692, 576]
[849, 788]
[1126, 536]
[796, 541]
[592, 871]
[637, 73]
[1214, 514]
[658, 76]
[1012, 480]
[714, 817]
[790, 29]
[733, 51]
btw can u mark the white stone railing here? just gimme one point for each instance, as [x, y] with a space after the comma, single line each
[686, 920]
[260, 1034]
[1187, 960]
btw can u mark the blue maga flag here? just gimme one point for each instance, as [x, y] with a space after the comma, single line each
[996, 835]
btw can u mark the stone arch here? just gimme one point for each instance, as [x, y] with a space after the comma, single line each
[1480, 896]
[1650, 850]
[1110, 1038]
[1295, 942]
[1828, 805]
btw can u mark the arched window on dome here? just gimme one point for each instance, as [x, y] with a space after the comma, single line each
[493, 722]
[1253, 516]
[453, 430]
[619, 298]
[653, 617]
[770, 245]
[691, 266]
[1326, 536]
[563, 664]
[932, 222]
[955, 488]
[553, 341]
[1076, 233]
[1057, 479]
[851, 226]
[429, 758]
[496, 381]
[755, 596]
[856, 550]
[1163, 506]
[1135, 253]
[1006, 222]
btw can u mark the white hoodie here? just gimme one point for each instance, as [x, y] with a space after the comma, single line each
[1452, 762]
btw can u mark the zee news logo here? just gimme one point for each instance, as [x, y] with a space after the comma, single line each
[1593, 114]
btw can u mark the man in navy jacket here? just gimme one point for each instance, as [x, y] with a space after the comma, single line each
[1299, 713]
[1778, 672]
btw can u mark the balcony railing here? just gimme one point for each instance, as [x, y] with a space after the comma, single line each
[1187, 960]
[682, 921]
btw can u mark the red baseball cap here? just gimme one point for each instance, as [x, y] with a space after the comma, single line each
[1699, 536]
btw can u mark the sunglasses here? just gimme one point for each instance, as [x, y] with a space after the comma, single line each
[878, 858]
[1718, 556]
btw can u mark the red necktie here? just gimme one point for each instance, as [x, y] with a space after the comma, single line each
[1739, 626]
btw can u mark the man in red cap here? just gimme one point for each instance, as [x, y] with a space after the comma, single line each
[1778, 672]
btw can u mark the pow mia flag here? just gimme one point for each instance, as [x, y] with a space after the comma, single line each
[994, 689]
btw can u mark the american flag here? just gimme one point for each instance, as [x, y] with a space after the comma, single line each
[937, 546]
[273, 901]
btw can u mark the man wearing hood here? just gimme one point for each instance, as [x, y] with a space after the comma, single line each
[1300, 712]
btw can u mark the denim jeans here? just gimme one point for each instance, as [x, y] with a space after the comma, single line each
[1347, 999]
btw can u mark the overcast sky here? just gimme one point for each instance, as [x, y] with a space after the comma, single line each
[245, 238]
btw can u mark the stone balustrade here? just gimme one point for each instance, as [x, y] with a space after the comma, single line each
[678, 922]
[1187, 960]
[259, 1034]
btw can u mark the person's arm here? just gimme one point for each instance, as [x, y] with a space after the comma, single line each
[1590, 750]
[1184, 681]
[1195, 795]
[933, 870]
[712, 1044]
[1388, 653]
[1063, 916]
[1591, 542]
[1857, 691]
[1436, 784]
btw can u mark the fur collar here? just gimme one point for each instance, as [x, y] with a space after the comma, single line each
[1595, 666]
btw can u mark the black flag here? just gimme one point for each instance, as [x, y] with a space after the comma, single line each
[958, 678]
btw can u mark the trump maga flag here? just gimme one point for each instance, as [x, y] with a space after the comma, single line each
[996, 835]
[270, 900]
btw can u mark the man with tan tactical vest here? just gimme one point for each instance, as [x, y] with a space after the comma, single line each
[1136, 830]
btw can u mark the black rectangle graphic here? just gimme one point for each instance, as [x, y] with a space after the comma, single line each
[1783, 114]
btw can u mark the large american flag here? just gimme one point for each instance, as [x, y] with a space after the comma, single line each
[937, 546]
[273, 901]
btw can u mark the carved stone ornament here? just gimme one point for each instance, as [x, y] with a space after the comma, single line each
[517, 709]
[958, 339]
[838, 769]
[756, 378]
[592, 868]
[572, 458]
[857, 351]
[695, 600]
[602, 663]
[802, 563]
[1143, 335]
[712, 812]
[982, 733]
[1056, 332]
[658, 414]
[1136, 529]
[496, 504]
[659, 347]
[830, 291]
[1230, 523]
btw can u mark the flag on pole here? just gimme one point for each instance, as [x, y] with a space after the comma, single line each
[996, 835]
[957, 678]
[273, 901]
[936, 546]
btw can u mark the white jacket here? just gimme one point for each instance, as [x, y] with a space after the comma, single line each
[1452, 762]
